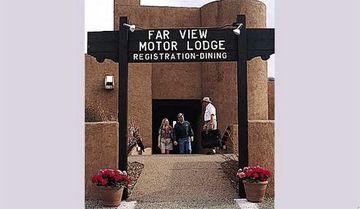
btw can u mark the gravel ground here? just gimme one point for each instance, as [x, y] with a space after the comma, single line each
[95, 204]
[182, 178]
[186, 205]
[268, 203]
[230, 167]
[134, 171]
[92, 204]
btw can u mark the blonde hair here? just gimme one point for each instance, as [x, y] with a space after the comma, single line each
[163, 122]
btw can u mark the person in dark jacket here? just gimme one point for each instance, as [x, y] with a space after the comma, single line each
[183, 134]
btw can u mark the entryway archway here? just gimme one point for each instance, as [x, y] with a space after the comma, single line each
[240, 44]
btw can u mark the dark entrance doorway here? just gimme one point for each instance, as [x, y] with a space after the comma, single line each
[169, 108]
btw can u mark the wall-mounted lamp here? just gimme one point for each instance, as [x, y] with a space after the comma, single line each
[131, 27]
[237, 29]
[109, 82]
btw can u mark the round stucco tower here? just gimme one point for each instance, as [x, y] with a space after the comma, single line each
[219, 79]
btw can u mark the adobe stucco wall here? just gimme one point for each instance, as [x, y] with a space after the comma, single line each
[195, 80]
[271, 98]
[101, 151]
[105, 102]
[176, 81]
[233, 143]
[140, 100]
[261, 146]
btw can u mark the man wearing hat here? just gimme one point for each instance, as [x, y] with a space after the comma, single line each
[209, 115]
[210, 122]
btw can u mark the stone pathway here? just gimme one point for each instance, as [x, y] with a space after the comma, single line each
[183, 181]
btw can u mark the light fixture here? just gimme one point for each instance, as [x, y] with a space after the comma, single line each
[237, 29]
[109, 82]
[131, 27]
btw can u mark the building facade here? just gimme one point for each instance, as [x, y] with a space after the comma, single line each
[153, 87]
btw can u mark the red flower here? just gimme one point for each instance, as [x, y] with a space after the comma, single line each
[112, 178]
[103, 181]
[117, 177]
[94, 179]
[254, 174]
[242, 175]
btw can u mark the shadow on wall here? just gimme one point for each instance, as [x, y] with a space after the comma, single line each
[93, 115]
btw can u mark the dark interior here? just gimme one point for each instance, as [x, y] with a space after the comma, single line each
[169, 108]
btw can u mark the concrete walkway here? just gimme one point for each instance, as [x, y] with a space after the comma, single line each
[182, 181]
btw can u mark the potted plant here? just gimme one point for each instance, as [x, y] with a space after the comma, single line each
[112, 183]
[255, 182]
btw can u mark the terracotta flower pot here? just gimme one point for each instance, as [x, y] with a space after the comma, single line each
[255, 192]
[111, 196]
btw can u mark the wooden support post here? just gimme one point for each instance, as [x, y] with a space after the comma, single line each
[123, 97]
[242, 100]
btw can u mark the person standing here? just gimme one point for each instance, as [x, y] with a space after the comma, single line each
[183, 134]
[164, 139]
[210, 121]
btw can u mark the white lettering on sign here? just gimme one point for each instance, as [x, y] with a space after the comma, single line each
[206, 45]
[160, 34]
[193, 33]
[151, 33]
[221, 44]
[203, 34]
[181, 44]
[217, 55]
[186, 56]
[182, 33]
[158, 45]
[142, 46]
[135, 56]
[151, 46]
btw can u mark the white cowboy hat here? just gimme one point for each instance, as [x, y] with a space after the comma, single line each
[206, 99]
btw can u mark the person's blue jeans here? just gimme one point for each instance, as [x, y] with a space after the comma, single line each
[184, 145]
[189, 146]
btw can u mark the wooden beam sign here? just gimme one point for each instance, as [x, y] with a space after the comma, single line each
[182, 45]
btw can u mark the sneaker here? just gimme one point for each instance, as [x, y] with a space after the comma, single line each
[211, 152]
